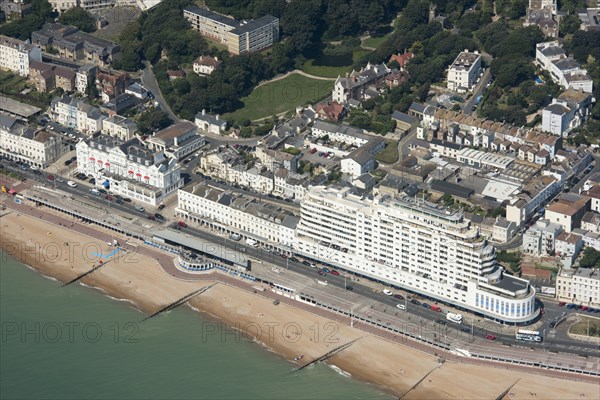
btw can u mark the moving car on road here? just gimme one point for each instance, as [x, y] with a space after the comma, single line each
[72, 184]
[387, 292]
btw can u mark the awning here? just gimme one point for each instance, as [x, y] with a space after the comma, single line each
[130, 172]
[146, 177]
[99, 161]
[138, 174]
[107, 164]
[92, 159]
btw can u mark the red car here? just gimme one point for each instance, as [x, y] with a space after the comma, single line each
[333, 272]
[562, 304]
[50, 177]
[583, 308]
[399, 296]
[108, 197]
[490, 337]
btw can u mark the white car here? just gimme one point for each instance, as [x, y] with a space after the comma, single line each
[33, 168]
[387, 292]
[72, 184]
[401, 306]
[196, 154]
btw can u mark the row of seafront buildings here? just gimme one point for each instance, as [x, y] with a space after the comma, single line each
[406, 243]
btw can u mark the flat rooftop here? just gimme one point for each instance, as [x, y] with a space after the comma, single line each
[17, 108]
[511, 283]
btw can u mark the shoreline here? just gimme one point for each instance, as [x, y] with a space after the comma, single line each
[147, 287]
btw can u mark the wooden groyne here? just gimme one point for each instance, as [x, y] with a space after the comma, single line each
[180, 301]
[327, 355]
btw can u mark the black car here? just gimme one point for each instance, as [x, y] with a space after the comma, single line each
[127, 200]
[159, 217]
[306, 263]
[73, 159]
[416, 302]
[92, 181]
[440, 321]
[465, 329]
[102, 191]
[68, 162]
[161, 207]
[294, 259]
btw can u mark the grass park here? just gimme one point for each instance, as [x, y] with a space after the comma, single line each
[390, 154]
[281, 96]
[588, 326]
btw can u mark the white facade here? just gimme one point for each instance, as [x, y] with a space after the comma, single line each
[119, 126]
[464, 71]
[76, 114]
[15, 55]
[564, 70]
[29, 144]
[128, 169]
[580, 286]
[411, 245]
[237, 214]
[210, 123]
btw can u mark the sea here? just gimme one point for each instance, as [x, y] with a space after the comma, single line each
[74, 342]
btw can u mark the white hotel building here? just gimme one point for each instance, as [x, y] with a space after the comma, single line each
[128, 168]
[425, 249]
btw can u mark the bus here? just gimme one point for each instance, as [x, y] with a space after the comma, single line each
[528, 336]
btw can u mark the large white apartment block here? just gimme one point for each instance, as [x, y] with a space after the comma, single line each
[239, 36]
[412, 245]
[119, 126]
[128, 168]
[234, 213]
[564, 70]
[29, 144]
[579, 286]
[61, 6]
[464, 71]
[15, 55]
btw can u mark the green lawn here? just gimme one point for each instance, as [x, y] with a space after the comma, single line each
[389, 155]
[281, 96]
[374, 41]
[324, 71]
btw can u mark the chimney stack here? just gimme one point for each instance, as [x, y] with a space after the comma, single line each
[203, 111]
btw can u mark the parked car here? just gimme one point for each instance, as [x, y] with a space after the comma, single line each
[425, 305]
[161, 207]
[561, 304]
[399, 296]
[321, 273]
[326, 270]
[465, 329]
[50, 177]
[108, 197]
[159, 217]
[305, 262]
[416, 302]
[490, 337]
[72, 184]
[139, 208]
[68, 162]
[150, 217]
[387, 292]
[334, 272]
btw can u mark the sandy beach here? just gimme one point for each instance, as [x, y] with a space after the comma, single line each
[286, 329]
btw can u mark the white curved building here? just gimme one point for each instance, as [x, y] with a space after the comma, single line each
[414, 245]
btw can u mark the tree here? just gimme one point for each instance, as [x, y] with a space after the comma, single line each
[569, 24]
[153, 120]
[590, 258]
[78, 17]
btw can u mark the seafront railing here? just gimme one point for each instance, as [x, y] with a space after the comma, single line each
[308, 299]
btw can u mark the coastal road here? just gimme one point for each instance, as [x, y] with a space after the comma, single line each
[560, 344]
